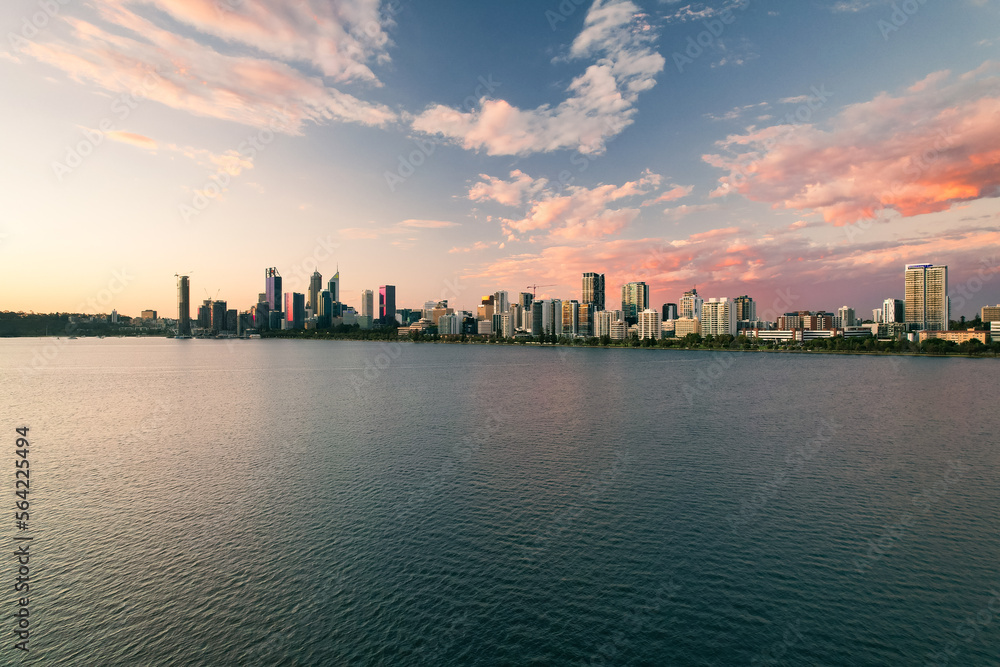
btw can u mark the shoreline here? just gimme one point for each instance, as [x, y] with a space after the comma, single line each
[876, 353]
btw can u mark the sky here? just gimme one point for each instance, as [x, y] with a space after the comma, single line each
[798, 152]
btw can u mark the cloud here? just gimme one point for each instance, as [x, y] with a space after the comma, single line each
[918, 151]
[402, 227]
[427, 224]
[684, 210]
[131, 138]
[600, 103]
[673, 194]
[138, 57]
[578, 214]
[733, 260]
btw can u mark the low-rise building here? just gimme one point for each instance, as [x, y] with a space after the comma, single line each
[954, 336]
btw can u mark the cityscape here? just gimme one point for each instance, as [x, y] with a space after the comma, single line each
[569, 333]
[924, 313]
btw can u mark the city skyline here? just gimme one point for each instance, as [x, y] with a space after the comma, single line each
[658, 142]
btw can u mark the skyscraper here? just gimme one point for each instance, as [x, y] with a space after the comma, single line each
[690, 306]
[272, 288]
[593, 290]
[669, 311]
[315, 287]
[635, 299]
[334, 286]
[219, 316]
[295, 310]
[650, 325]
[570, 318]
[183, 306]
[718, 317]
[746, 310]
[926, 296]
[387, 304]
[367, 303]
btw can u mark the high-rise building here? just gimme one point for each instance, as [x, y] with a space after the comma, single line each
[183, 306]
[990, 314]
[690, 307]
[205, 314]
[604, 319]
[387, 304]
[272, 288]
[650, 325]
[926, 296]
[593, 290]
[295, 310]
[501, 302]
[669, 311]
[586, 320]
[570, 318]
[524, 300]
[635, 299]
[219, 316]
[449, 324]
[232, 320]
[334, 286]
[261, 316]
[486, 308]
[893, 310]
[367, 303]
[845, 317]
[315, 287]
[718, 317]
[746, 309]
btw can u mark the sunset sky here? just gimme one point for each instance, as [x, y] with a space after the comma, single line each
[758, 147]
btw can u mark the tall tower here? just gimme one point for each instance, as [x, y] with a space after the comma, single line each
[593, 290]
[183, 306]
[334, 286]
[387, 303]
[315, 287]
[635, 299]
[691, 304]
[367, 303]
[272, 288]
[926, 296]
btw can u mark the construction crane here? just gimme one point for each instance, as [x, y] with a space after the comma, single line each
[535, 287]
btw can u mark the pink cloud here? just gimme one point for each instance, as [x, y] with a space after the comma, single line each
[922, 150]
[140, 59]
[132, 139]
[673, 194]
[580, 214]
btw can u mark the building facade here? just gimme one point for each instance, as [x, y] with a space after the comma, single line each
[926, 296]
[183, 306]
[387, 304]
[718, 317]
[272, 288]
[650, 325]
[635, 299]
[593, 290]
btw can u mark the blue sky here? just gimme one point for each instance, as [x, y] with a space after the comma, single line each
[457, 150]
